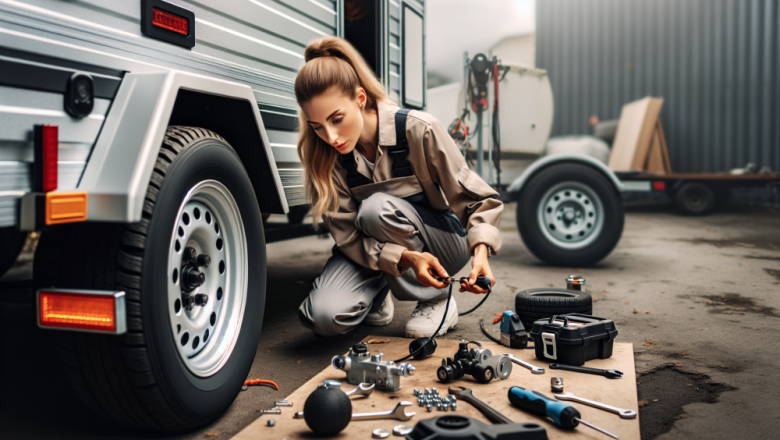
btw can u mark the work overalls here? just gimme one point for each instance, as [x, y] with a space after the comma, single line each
[346, 291]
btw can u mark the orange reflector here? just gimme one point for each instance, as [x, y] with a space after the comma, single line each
[77, 310]
[66, 207]
[659, 186]
[171, 22]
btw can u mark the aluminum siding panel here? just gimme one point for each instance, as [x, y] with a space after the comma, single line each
[715, 63]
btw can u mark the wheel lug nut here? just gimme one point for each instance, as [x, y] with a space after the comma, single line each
[201, 299]
[192, 278]
[203, 260]
[187, 300]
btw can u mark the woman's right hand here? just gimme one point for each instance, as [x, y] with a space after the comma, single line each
[426, 266]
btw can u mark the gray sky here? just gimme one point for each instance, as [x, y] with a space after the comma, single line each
[455, 26]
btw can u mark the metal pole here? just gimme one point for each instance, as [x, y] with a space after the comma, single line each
[479, 144]
[490, 135]
[466, 96]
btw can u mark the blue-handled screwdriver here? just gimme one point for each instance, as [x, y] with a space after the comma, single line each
[562, 414]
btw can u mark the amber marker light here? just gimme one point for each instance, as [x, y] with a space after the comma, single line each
[82, 310]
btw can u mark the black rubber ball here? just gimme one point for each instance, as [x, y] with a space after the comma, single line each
[327, 411]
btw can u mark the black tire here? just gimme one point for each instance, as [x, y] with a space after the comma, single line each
[12, 243]
[596, 244]
[139, 378]
[540, 303]
[694, 198]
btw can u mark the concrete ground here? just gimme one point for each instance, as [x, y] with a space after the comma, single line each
[699, 298]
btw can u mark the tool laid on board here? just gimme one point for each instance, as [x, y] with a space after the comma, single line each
[534, 369]
[556, 384]
[623, 413]
[398, 413]
[610, 374]
[492, 415]
[478, 362]
[364, 389]
[455, 427]
[327, 410]
[562, 414]
[573, 338]
[362, 367]
[260, 382]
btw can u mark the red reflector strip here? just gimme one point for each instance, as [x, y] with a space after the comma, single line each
[659, 186]
[169, 21]
[50, 143]
[78, 311]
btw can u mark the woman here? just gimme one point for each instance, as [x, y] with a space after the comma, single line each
[389, 207]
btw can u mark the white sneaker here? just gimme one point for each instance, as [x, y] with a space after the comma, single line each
[382, 316]
[427, 317]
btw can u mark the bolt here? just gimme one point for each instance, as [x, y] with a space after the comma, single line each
[416, 391]
[435, 391]
[454, 406]
[271, 422]
[201, 299]
[203, 260]
[428, 407]
[191, 278]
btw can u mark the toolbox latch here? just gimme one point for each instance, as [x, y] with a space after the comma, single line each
[548, 339]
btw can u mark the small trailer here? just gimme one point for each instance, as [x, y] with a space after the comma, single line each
[699, 193]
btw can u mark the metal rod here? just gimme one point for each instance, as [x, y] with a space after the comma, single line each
[490, 135]
[596, 428]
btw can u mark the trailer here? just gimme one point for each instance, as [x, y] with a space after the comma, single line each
[698, 193]
[149, 141]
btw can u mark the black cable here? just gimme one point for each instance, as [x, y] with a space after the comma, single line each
[444, 318]
[491, 337]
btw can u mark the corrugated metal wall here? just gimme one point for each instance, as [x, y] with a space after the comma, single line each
[716, 63]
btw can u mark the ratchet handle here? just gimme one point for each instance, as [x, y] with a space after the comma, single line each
[534, 402]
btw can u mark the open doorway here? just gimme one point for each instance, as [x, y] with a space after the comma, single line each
[363, 29]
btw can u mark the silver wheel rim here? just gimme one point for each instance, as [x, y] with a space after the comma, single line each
[209, 221]
[571, 215]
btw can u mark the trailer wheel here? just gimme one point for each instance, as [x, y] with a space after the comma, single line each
[570, 215]
[694, 198]
[181, 363]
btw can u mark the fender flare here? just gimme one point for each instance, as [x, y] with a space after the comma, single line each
[121, 163]
[517, 186]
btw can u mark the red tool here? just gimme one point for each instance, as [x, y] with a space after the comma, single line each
[260, 382]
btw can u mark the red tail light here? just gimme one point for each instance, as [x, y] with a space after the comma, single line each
[46, 155]
[659, 186]
[100, 311]
[169, 21]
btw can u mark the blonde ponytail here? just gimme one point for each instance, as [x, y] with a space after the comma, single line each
[331, 62]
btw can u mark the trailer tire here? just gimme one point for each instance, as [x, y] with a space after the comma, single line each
[142, 378]
[694, 198]
[539, 303]
[570, 214]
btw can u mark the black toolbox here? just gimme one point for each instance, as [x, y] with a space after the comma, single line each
[573, 339]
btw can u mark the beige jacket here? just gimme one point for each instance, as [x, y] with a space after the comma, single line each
[439, 170]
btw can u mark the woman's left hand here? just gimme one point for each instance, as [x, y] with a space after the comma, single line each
[480, 266]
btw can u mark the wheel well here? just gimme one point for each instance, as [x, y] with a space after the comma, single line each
[516, 195]
[233, 120]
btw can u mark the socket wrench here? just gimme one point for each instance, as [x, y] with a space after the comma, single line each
[623, 413]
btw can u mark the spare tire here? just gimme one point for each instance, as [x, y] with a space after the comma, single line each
[544, 302]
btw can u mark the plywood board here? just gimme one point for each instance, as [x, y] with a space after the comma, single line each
[634, 133]
[616, 392]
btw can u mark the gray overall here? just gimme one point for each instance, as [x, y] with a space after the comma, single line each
[346, 292]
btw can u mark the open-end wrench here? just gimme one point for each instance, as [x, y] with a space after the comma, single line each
[534, 369]
[399, 412]
[484, 408]
[623, 413]
[611, 374]
[364, 389]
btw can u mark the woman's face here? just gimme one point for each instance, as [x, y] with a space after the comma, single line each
[336, 118]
